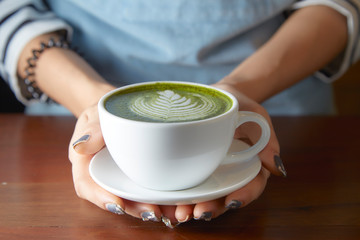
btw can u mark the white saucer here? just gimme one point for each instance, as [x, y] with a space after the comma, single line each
[226, 179]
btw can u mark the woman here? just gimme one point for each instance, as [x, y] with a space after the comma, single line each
[264, 51]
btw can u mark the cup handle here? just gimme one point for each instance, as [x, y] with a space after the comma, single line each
[243, 117]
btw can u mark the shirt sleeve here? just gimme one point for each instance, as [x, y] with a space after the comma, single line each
[20, 22]
[351, 10]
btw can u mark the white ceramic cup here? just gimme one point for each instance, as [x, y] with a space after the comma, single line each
[180, 155]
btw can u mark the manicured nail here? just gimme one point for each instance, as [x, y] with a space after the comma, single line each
[167, 222]
[280, 165]
[115, 208]
[149, 216]
[234, 204]
[184, 220]
[83, 139]
[205, 216]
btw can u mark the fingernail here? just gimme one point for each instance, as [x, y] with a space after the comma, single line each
[115, 208]
[83, 139]
[205, 216]
[149, 216]
[184, 220]
[280, 165]
[234, 204]
[180, 221]
[167, 222]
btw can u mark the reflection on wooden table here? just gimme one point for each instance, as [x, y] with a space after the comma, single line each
[320, 198]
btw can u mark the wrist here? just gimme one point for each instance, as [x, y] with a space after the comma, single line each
[69, 80]
[61, 74]
[96, 91]
[256, 85]
[302, 45]
[85, 93]
[28, 77]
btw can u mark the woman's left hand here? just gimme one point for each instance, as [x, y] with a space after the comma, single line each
[271, 163]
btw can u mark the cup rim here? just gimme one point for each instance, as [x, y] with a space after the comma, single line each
[101, 103]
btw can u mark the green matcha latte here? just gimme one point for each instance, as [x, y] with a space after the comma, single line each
[168, 102]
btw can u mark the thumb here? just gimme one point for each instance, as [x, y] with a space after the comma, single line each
[87, 137]
[270, 155]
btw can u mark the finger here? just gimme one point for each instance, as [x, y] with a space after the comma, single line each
[87, 130]
[168, 215]
[270, 155]
[144, 211]
[184, 213]
[89, 141]
[174, 215]
[209, 210]
[248, 193]
[87, 189]
[240, 198]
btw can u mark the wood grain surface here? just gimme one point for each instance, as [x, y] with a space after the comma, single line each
[320, 198]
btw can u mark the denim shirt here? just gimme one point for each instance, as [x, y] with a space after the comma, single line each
[130, 41]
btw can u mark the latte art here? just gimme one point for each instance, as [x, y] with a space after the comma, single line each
[167, 103]
[170, 106]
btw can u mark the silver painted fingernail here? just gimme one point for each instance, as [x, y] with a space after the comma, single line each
[234, 204]
[115, 208]
[205, 216]
[280, 165]
[167, 222]
[149, 216]
[83, 139]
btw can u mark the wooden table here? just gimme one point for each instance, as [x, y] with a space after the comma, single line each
[320, 198]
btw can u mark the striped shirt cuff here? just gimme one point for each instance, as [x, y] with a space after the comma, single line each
[20, 22]
[350, 9]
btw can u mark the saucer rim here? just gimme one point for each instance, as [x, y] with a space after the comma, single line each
[175, 199]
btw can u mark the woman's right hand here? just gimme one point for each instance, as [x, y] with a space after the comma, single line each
[86, 141]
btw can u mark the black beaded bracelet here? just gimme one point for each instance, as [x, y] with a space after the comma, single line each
[32, 89]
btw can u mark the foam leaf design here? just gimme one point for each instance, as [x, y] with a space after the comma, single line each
[172, 106]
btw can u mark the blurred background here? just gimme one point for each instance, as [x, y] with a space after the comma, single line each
[8, 102]
[346, 90]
